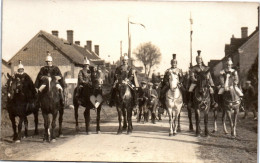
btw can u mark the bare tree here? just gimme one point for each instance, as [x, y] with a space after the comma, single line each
[149, 55]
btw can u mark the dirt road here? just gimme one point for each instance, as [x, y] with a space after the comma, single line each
[148, 142]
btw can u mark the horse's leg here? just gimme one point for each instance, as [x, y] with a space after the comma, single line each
[76, 108]
[177, 118]
[61, 112]
[206, 115]
[20, 125]
[124, 118]
[129, 120]
[229, 113]
[170, 121]
[53, 126]
[179, 121]
[35, 114]
[25, 127]
[46, 127]
[236, 111]
[87, 119]
[197, 117]
[119, 112]
[215, 117]
[190, 117]
[98, 119]
[12, 118]
[224, 115]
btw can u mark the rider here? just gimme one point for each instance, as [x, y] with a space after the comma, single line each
[124, 72]
[50, 71]
[229, 71]
[84, 77]
[152, 100]
[143, 97]
[195, 70]
[30, 92]
[166, 84]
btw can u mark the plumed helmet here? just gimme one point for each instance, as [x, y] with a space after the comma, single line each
[125, 57]
[20, 66]
[48, 58]
[86, 61]
[198, 56]
[229, 61]
[174, 60]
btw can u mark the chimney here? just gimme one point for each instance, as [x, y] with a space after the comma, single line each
[97, 49]
[55, 33]
[77, 42]
[70, 36]
[244, 32]
[89, 45]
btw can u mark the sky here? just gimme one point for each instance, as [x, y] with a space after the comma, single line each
[167, 26]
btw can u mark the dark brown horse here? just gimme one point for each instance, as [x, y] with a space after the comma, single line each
[50, 104]
[91, 98]
[18, 106]
[201, 101]
[124, 106]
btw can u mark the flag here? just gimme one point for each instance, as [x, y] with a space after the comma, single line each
[137, 24]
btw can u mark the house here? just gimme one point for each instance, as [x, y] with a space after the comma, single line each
[6, 68]
[243, 52]
[66, 54]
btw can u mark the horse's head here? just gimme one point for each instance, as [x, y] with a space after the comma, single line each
[173, 80]
[202, 82]
[124, 89]
[14, 86]
[50, 81]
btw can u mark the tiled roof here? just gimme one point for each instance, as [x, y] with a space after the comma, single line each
[72, 51]
[5, 63]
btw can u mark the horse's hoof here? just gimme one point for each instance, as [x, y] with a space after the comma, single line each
[198, 135]
[53, 140]
[98, 132]
[17, 141]
[77, 129]
[61, 136]
[24, 137]
[129, 132]
[179, 130]
[174, 134]
[119, 132]
[123, 129]
[87, 133]
[170, 134]
[213, 131]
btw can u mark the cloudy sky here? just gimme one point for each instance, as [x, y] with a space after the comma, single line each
[105, 23]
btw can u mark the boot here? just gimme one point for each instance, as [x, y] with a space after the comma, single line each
[213, 103]
[153, 118]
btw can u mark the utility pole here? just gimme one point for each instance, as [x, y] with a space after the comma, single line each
[191, 31]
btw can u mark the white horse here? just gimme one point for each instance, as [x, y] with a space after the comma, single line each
[174, 102]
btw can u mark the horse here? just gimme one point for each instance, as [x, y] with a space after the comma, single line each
[174, 102]
[123, 101]
[50, 103]
[201, 101]
[91, 98]
[19, 106]
[231, 102]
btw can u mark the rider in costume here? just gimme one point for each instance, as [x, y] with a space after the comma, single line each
[50, 71]
[166, 84]
[195, 70]
[124, 72]
[28, 85]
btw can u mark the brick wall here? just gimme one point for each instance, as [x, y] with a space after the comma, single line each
[249, 52]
